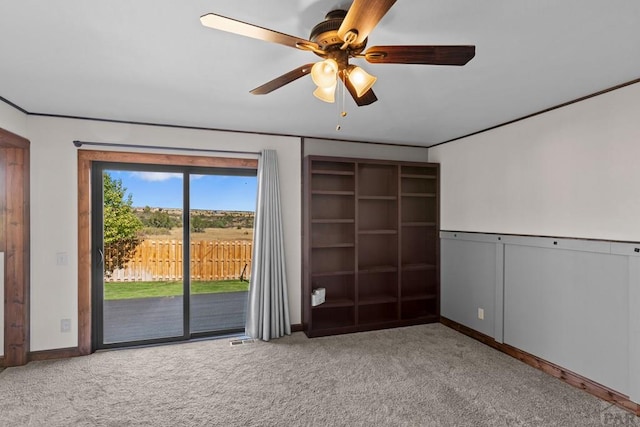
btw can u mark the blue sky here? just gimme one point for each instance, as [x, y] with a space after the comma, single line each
[215, 192]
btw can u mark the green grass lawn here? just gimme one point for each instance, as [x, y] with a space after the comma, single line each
[128, 290]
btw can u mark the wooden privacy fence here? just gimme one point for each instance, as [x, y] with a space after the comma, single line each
[162, 260]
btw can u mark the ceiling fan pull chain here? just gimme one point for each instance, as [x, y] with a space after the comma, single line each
[338, 126]
[342, 111]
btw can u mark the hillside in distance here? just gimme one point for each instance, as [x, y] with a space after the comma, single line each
[168, 218]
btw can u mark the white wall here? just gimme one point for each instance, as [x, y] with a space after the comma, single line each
[326, 147]
[569, 172]
[13, 120]
[54, 219]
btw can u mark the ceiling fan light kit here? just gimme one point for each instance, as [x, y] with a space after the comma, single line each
[324, 73]
[342, 35]
[360, 79]
[326, 94]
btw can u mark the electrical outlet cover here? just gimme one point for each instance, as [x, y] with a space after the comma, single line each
[65, 325]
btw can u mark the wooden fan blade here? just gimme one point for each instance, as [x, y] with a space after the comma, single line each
[367, 98]
[283, 80]
[362, 17]
[432, 55]
[229, 25]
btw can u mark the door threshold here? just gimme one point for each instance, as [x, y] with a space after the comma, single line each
[232, 336]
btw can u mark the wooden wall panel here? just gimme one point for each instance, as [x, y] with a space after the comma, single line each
[84, 253]
[14, 242]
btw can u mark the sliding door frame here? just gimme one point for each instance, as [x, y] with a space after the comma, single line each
[86, 158]
[97, 236]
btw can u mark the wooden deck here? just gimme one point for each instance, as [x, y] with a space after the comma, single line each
[151, 318]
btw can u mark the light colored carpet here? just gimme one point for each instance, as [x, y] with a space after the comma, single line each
[427, 375]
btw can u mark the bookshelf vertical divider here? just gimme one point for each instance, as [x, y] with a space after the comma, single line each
[371, 240]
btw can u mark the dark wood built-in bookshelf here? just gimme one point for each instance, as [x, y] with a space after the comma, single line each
[371, 240]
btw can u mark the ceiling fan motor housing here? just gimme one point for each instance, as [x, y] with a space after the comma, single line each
[325, 34]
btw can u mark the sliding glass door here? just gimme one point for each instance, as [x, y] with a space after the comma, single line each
[220, 252]
[160, 274]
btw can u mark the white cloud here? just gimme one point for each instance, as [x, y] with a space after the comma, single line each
[156, 176]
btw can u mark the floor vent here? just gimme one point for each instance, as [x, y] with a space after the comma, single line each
[241, 341]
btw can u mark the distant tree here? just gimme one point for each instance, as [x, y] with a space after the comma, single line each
[248, 222]
[198, 224]
[218, 223]
[160, 219]
[121, 225]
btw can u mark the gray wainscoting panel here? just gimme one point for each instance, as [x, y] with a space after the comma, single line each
[498, 320]
[583, 245]
[468, 282]
[628, 249]
[570, 307]
[572, 302]
[632, 252]
[634, 328]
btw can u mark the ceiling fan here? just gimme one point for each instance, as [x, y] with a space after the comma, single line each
[341, 36]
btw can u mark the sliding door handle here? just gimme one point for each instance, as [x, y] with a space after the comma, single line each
[100, 257]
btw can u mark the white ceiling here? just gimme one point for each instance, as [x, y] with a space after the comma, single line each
[152, 61]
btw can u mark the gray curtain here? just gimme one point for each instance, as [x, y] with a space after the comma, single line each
[268, 305]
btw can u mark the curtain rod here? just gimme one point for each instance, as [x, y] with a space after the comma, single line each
[156, 147]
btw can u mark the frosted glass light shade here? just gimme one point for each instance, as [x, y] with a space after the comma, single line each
[326, 94]
[360, 79]
[324, 73]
